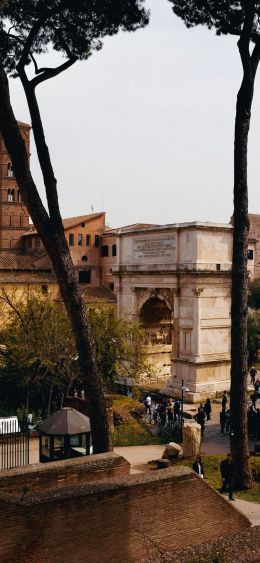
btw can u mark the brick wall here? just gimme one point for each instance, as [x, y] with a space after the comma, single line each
[46, 476]
[110, 522]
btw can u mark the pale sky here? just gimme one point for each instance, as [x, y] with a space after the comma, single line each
[144, 129]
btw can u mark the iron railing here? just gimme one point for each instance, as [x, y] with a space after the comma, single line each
[125, 435]
[14, 445]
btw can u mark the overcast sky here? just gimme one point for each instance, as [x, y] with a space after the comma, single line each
[144, 129]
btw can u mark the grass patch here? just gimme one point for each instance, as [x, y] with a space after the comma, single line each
[211, 466]
[126, 410]
[133, 434]
[129, 429]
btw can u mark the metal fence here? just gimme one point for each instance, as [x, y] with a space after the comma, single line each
[14, 445]
[130, 436]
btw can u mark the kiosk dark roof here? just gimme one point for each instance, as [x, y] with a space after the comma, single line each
[65, 422]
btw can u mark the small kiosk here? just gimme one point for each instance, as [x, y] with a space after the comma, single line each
[63, 435]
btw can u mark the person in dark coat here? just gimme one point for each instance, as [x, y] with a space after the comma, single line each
[224, 401]
[222, 420]
[227, 421]
[253, 373]
[227, 474]
[177, 409]
[198, 467]
[207, 408]
[254, 398]
[200, 419]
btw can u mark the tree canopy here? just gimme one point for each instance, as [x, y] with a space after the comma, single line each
[74, 28]
[226, 17]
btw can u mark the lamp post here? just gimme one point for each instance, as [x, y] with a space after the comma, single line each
[183, 390]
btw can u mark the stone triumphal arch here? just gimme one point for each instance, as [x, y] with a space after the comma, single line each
[176, 279]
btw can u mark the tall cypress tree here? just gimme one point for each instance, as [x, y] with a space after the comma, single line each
[239, 18]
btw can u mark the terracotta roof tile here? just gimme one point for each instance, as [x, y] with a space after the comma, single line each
[14, 261]
[71, 222]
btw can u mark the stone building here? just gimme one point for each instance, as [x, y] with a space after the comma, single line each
[176, 279]
[14, 217]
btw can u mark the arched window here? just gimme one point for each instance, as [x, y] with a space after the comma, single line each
[18, 195]
[10, 171]
[10, 195]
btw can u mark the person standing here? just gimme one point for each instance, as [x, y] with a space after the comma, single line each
[227, 474]
[224, 401]
[207, 408]
[200, 419]
[177, 409]
[148, 405]
[198, 467]
[253, 373]
[254, 398]
[170, 411]
[227, 421]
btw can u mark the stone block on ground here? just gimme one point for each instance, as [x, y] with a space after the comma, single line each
[171, 451]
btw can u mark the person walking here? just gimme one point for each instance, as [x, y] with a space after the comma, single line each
[198, 467]
[207, 409]
[227, 474]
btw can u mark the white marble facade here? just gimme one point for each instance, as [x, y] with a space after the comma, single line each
[177, 280]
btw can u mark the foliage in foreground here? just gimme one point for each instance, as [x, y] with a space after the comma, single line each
[38, 354]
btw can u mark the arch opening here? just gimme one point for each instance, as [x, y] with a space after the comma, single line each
[157, 321]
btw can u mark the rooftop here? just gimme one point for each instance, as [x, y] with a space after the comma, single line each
[71, 222]
[139, 227]
[65, 422]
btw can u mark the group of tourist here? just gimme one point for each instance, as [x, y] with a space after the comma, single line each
[163, 412]
[167, 411]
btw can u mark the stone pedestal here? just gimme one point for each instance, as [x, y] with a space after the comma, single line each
[191, 439]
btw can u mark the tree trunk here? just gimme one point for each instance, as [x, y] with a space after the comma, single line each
[239, 310]
[56, 246]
